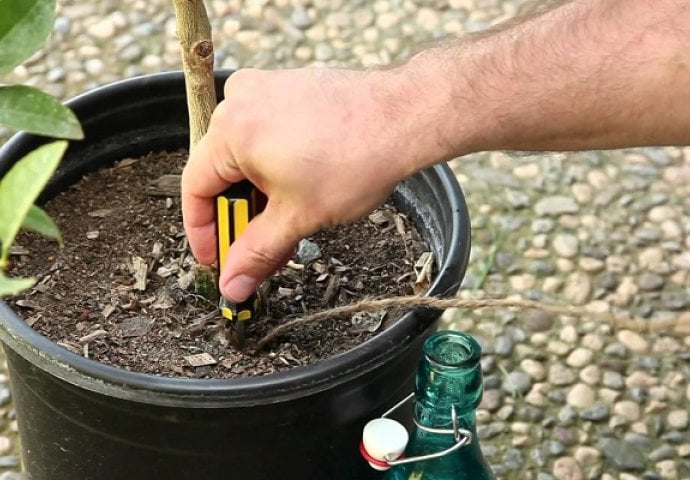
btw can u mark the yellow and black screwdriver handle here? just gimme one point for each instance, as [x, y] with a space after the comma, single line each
[234, 210]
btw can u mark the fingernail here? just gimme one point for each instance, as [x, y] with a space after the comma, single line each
[240, 288]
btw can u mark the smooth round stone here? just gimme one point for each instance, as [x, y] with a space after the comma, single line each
[517, 382]
[628, 410]
[566, 245]
[5, 445]
[554, 447]
[556, 205]
[591, 374]
[632, 341]
[587, 455]
[567, 468]
[94, 66]
[662, 213]
[323, 52]
[579, 357]
[513, 459]
[533, 368]
[542, 225]
[102, 30]
[667, 469]
[638, 394]
[503, 346]
[664, 452]
[598, 412]
[677, 419]
[567, 415]
[62, 25]
[492, 400]
[300, 18]
[568, 334]
[561, 375]
[650, 282]
[537, 320]
[578, 288]
[591, 265]
[581, 396]
[641, 379]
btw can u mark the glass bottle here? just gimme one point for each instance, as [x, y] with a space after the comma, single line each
[449, 378]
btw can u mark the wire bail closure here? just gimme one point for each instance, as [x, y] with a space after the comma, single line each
[462, 438]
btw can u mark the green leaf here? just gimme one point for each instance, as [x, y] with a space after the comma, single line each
[24, 26]
[26, 108]
[20, 187]
[13, 286]
[37, 220]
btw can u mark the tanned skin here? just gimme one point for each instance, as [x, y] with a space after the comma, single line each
[328, 146]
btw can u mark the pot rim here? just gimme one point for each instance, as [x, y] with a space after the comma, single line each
[276, 387]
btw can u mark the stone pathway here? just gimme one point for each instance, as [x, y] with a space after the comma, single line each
[565, 399]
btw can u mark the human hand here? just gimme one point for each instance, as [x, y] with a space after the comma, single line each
[325, 146]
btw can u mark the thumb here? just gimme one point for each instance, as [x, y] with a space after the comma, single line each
[267, 244]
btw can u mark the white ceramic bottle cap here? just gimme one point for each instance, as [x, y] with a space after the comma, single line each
[384, 439]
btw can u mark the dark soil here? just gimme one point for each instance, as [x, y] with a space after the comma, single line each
[120, 290]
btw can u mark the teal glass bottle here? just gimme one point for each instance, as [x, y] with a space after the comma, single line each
[449, 377]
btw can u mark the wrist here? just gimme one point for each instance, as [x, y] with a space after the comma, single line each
[437, 120]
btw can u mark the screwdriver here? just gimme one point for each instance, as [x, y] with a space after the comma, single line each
[235, 208]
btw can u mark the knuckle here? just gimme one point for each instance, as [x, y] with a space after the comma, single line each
[239, 82]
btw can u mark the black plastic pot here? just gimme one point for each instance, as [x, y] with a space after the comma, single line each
[81, 420]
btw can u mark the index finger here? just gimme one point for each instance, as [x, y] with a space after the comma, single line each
[210, 170]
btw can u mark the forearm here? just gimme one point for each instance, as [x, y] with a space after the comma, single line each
[590, 74]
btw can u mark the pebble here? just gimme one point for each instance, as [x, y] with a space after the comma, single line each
[503, 346]
[533, 368]
[663, 452]
[667, 469]
[581, 396]
[577, 288]
[622, 455]
[300, 18]
[526, 171]
[596, 413]
[556, 205]
[102, 30]
[651, 281]
[587, 455]
[5, 445]
[613, 380]
[591, 374]
[537, 320]
[579, 357]
[561, 375]
[633, 341]
[517, 383]
[567, 468]
[627, 409]
[307, 252]
[566, 245]
[678, 419]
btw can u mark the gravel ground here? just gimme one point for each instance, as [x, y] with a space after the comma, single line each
[565, 398]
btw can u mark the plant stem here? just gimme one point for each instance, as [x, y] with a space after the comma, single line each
[194, 34]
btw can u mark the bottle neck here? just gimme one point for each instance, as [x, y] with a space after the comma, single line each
[449, 377]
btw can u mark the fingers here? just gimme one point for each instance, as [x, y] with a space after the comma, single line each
[210, 170]
[266, 245]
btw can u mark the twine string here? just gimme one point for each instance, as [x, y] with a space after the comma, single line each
[413, 301]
